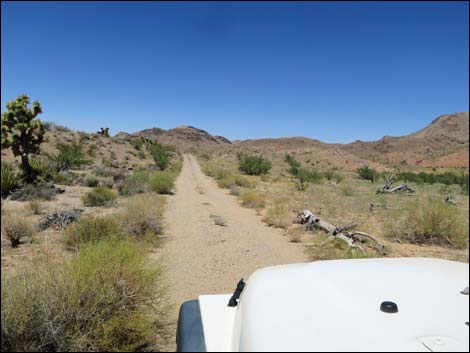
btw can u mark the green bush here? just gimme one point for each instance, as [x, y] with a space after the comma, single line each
[161, 182]
[92, 229]
[100, 196]
[10, 178]
[304, 176]
[160, 155]
[367, 173]
[107, 298]
[293, 163]
[69, 156]
[254, 165]
[136, 183]
[43, 168]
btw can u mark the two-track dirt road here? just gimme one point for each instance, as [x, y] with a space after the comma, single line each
[204, 258]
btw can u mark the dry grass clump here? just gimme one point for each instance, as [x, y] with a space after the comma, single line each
[431, 222]
[100, 196]
[295, 235]
[143, 214]
[253, 199]
[327, 248]
[347, 190]
[35, 207]
[106, 298]
[92, 229]
[15, 227]
[280, 215]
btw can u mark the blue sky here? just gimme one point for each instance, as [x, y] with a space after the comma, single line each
[332, 71]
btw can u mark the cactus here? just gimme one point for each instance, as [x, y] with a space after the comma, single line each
[22, 132]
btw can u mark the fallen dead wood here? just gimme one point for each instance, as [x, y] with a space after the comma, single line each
[344, 233]
[387, 188]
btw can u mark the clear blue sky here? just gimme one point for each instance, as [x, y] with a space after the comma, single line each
[333, 71]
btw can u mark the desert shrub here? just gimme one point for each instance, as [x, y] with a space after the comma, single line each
[305, 176]
[338, 178]
[278, 216]
[161, 182]
[329, 175]
[106, 298]
[254, 165]
[431, 222]
[42, 167]
[100, 196]
[142, 215]
[10, 178]
[65, 177]
[69, 156]
[447, 178]
[91, 180]
[35, 207]
[112, 155]
[136, 183]
[92, 229]
[160, 155]
[347, 190]
[293, 163]
[15, 227]
[37, 191]
[367, 173]
[253, 199]
[92, 150]
[205, 156]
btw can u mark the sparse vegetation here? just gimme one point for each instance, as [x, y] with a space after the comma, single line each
[100, 196]
[37, 191]
[106, 298]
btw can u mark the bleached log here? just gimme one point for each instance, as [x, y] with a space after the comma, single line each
[312, 222]
[387, 188]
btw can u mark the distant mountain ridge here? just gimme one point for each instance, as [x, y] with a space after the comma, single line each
[444, 142]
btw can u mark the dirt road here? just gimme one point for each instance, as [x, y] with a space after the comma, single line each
[204, 258]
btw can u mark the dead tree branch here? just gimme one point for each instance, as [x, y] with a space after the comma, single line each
[352, 238]
[387, 188]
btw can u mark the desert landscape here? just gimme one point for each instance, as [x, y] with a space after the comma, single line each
[183, 213]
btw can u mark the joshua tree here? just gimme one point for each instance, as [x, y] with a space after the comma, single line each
[22, 132]
[104, 131]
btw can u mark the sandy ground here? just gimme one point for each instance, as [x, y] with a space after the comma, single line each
[204, 258]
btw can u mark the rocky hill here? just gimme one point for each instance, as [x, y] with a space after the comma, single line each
[183, 137]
